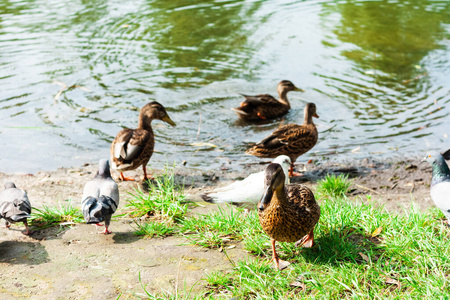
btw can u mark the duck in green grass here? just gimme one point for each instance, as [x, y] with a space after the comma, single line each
[246, 192]
[287, 213]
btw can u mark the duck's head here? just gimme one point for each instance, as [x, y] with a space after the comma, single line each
[154, 110]
[285, 163]
[273, 180]
[310, 110]
[286, 86]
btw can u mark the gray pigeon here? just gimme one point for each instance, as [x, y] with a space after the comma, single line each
[440, 182]
[14, 206]
[100, 197]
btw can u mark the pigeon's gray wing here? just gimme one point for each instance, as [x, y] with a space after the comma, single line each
[96, 210]
[110, 189]
[14, 205]
[91, 189]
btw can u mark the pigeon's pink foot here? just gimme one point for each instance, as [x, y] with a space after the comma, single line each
[106, 231]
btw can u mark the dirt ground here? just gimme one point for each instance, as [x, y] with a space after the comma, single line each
[77, 263]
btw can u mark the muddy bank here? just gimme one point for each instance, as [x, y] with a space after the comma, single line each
[78, 263]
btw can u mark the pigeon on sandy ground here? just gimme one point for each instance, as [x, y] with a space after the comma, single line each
[440, 182]
[245, 192]
[100, 197]
[15, 206]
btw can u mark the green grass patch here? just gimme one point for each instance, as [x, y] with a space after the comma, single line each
[333, 186]
[164, 205]
[408, 258]
[225, 227]
[216, 229]
[49, 216]
[165, 199]
[154, 229]
[361, 251]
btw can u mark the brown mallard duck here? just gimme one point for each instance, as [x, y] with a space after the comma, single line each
[287, 213]
[292, 140]
[133, 147]
[261, 107]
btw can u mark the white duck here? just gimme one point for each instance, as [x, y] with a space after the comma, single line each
[246, 192]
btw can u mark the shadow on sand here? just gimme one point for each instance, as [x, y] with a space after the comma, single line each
[17, 252]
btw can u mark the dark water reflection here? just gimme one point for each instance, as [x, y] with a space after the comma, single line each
[377, 70]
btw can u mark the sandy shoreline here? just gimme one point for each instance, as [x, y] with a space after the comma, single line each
[78, 263]
[387, 181]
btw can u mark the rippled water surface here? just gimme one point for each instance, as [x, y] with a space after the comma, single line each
[73, 74]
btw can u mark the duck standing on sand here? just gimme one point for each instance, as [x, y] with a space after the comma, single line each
[261, 107]
[246, 192]
[133, 147]
[292, 140]
[15, 206]
[287, 213]
[440, 182]
[100, 197]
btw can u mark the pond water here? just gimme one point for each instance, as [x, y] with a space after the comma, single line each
[378, 71]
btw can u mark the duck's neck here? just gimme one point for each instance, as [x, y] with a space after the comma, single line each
[279, 196]
[145, 123]
[441, 172]
[283, 97]
[308, 119]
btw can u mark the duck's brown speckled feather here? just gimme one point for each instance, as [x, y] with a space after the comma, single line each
[262, 105]
[292, 140]
[265, 106]
[291, 220]
[132, 148]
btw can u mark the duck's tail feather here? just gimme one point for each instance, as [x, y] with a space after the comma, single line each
[217, 200]
[95, 210]
[207, 198]
[239, 111]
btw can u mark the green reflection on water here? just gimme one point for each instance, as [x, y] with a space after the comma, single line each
[206, 39]
[182, 43]
[392, 37]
